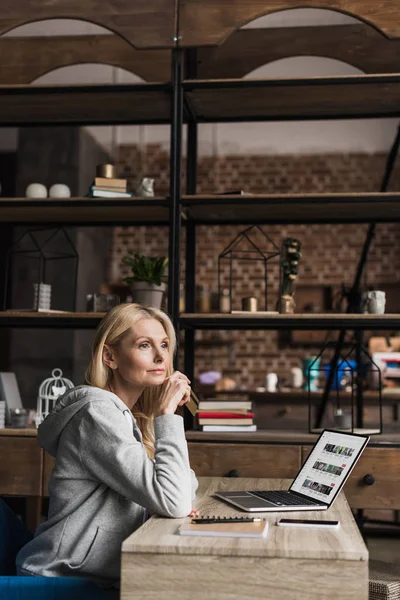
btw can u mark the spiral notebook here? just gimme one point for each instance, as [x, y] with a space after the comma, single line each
[229, 529]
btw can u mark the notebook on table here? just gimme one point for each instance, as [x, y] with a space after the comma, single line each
[318, 482]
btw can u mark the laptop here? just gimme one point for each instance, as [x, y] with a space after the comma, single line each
[318, 482]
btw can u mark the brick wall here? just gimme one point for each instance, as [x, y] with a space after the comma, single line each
[330, 252]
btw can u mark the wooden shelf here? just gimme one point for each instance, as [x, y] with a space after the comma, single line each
[354, 96]
[85, 104]
[61, 320]
[276, 208]
[299, 396]
[84, 320]
[280, 437]
[85, 210]
[297, 321]
[295, 208]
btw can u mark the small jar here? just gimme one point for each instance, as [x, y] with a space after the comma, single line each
[204, 299]
[249, 304]
[225, 301]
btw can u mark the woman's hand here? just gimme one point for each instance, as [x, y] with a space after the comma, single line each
[175, 391]
[194, 513]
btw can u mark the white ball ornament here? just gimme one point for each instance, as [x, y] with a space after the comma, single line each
[36, 190]
[59, 190]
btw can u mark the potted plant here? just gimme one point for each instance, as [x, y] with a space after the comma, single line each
[146, 282]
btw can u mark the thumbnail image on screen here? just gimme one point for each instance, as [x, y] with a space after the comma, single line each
[326, 468]
[339, 450]
[317, 487]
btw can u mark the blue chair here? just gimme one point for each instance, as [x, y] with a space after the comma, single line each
[14, 535]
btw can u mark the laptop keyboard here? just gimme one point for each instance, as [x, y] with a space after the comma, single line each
[283, 499]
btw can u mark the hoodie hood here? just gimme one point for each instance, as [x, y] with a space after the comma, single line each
[67, 406]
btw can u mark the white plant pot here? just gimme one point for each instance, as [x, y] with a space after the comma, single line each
[146, 293]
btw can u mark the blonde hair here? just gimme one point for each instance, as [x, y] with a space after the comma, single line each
[113, 328]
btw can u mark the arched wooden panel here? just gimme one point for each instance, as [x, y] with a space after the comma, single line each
[210, 22]
[246, 49]
[25, 59]
[143, 23]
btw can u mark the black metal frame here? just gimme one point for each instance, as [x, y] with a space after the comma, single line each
[233, 252]
[38, 254]
[184, 65]
[191, 324]
[360, 372]
[353, 304]
[175, 186]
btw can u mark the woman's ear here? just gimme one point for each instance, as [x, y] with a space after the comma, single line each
[109, 358]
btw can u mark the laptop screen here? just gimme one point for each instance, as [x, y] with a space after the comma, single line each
[331, 460]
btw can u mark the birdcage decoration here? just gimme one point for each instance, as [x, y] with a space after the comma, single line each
[49, 392]
[342, 405]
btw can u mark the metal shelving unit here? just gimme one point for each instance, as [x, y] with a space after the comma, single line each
[186, 99]
[360, 96]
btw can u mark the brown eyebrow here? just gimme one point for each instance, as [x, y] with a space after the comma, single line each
[147, 337]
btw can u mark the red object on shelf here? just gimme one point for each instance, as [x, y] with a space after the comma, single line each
[224, 415]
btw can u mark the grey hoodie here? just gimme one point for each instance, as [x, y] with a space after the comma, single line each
[103, 484]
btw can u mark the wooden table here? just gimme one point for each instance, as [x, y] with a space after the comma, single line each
[290, 564]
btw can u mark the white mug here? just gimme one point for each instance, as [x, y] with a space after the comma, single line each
[271, 382]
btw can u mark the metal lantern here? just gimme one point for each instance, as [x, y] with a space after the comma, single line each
[342, 405]
[49, 392]
[33, 255]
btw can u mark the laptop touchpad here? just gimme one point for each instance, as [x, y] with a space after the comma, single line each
[249, 501]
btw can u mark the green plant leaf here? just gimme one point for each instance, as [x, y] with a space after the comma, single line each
[145, 268]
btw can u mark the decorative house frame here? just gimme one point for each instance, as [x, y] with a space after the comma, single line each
[234, 252]
[41, 252]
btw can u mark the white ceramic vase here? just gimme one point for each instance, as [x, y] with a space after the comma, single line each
[59, 190]
[36, 190]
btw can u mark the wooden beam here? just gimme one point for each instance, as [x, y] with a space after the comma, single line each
[247, 49]
[25, 59]
[210, 22]
[142, 23]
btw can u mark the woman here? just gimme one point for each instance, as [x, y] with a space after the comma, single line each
[120, 450]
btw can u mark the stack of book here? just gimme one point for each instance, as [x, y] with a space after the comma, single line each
[230, 414]
[2, 414]
[109, 187]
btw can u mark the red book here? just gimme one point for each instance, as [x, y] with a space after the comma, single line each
[224, 415]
